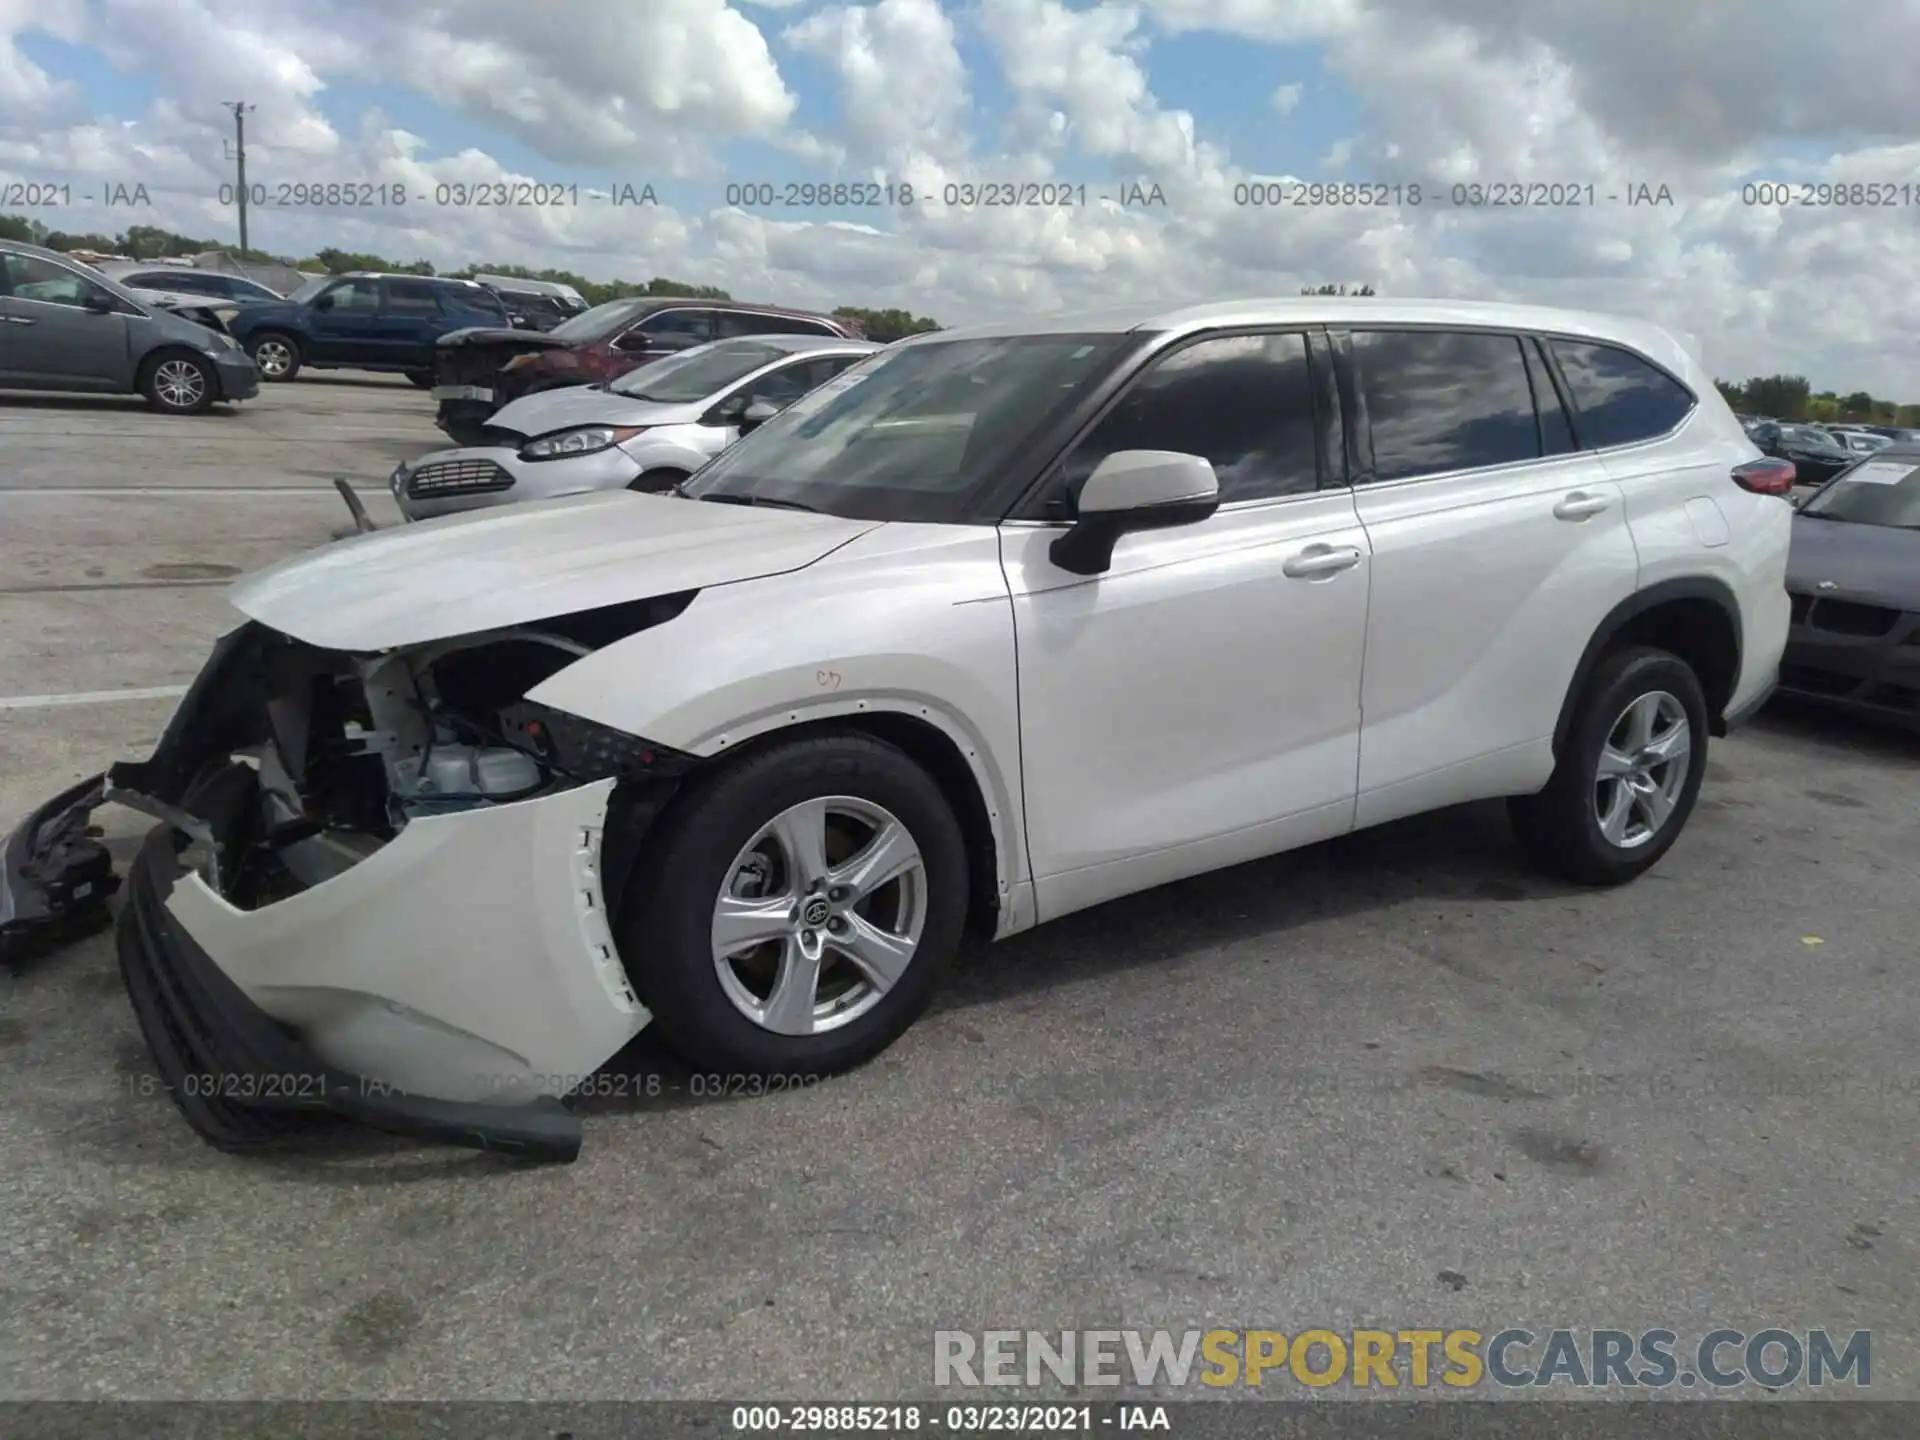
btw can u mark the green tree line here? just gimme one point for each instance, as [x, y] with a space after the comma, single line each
[1792, 397]
[147, 242]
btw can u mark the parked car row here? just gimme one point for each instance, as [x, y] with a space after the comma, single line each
[647, 430]
[66, 326]
[477, 371]
[956, 642]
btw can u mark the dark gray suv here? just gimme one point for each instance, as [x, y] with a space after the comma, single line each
[65, 326]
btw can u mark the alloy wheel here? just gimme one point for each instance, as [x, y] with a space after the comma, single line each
[179, 384]
[1642, 770]
[819, 916]
[274, 357]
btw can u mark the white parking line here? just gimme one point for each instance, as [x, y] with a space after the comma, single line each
[90, 697]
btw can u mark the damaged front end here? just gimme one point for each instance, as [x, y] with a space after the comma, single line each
[379, 886]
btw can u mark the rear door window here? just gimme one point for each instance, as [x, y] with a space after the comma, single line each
[413, 297]
[1442, 400]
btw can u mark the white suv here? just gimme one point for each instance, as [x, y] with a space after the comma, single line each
[998, 624]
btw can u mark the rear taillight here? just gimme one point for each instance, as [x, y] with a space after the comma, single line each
[1766, 477]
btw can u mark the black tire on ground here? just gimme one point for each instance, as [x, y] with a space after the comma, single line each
[178, 382]
[665, 922]
[421, 378]
[652, 482]
[282, 360]
[1560, 827]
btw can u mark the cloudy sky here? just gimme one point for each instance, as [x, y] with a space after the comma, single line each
[1198, 108]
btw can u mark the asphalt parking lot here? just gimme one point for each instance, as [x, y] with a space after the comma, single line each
[1396, 1080]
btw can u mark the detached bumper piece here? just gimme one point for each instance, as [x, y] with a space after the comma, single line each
[242, 1080]
[53, 873]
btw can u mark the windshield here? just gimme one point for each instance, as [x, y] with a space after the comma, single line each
[695, 374]
[1874, 492]
[599, 322]
[915, 432]
[311, 288]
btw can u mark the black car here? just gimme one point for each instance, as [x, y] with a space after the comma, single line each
[1854, 578]
[1816, 455]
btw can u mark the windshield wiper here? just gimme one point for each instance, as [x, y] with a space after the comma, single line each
[766, 500]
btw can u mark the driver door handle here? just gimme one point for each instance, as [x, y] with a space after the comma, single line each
[1579, 506]
[20, 320]
[1318, 561]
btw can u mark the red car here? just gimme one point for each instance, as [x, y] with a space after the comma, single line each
[478, 370]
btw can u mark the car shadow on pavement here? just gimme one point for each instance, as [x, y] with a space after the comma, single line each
[1467, 853]
[1809, 725]
[124, 404]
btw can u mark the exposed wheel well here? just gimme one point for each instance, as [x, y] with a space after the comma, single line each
[1695, 620]
[1701, 633]
[151, 360]
[939, 757]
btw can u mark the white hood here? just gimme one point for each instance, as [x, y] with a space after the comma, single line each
[572, 405]
[518, 564]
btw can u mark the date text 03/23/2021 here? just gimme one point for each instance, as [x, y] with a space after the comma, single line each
[948, 1419]
[600, 1085]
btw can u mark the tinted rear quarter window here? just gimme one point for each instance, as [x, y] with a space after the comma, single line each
[1439, 401]
[1619, 398]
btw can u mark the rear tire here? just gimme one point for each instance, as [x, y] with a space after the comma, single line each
[772, 849]
[1628, 773]
[653, 482]
[177, 382]
[277, 355]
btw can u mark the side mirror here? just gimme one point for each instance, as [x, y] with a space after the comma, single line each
[1135, 490]
[99, 302]
[758, 413]
[323, 302]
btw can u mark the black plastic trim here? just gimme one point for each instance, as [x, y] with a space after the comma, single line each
[1687, 588]
[1086, 547]
[50, 867]
[1329, 425]
[1354, 423]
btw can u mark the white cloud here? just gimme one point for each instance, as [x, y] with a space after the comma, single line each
[999, 91]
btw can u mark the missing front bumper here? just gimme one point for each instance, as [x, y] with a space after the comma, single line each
[243, 1080]
[451, 985]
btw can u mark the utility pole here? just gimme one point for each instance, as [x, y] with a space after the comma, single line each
[238, 154]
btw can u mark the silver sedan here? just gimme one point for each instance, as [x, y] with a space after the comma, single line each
[648, 430]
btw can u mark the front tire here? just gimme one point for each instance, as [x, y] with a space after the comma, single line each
[276, 355]
[799, 910]
[1628, 775]
[177, 383]
[422, 379]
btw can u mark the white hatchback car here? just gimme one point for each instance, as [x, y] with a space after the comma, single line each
[998, 624]
[647, 430]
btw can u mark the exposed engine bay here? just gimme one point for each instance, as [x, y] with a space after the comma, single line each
[380, 887]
